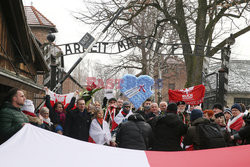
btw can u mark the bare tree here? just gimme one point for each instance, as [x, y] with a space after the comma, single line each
[201, 24]
[142, 60]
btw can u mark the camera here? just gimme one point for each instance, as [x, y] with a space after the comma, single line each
[220, 114]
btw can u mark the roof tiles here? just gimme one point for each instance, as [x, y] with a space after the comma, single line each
[35, 18]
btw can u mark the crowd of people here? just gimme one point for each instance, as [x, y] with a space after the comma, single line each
[167, 127]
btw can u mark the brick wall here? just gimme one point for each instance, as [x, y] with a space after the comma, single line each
[40, 33]
[175, 77]
[69, 86]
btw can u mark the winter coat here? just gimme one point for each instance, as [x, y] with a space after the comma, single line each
[168, 130]
[77, 124]
[55, 116]
[134, 134]
[147, 116]
[225, 134]
[11, 120]
[245, 134]
[192, 137]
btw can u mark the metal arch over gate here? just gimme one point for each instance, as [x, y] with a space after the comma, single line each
[126, 44]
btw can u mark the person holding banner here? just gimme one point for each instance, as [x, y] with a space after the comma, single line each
[134, 133]
[168, 130]
[44, 114]
[57, 112]
[78, 121]
[11, 117]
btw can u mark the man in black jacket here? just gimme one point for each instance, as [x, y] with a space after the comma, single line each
[168, 130]
[78, 122]
[134, 134]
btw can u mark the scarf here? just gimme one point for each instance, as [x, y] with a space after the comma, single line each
[47, 121]
[29, 113]
[235, 123]
[62, 116]
[100, 121]
[124, 113]
[110, 114]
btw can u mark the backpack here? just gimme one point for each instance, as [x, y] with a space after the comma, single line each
[210, 136]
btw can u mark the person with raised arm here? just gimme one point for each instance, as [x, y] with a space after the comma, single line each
[57, 112]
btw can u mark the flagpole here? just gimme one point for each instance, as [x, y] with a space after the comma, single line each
[88, 49]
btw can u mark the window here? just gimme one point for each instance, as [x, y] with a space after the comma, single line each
[171, 86]
[245, 101]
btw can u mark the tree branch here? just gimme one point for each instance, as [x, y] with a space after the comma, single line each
[223, 43]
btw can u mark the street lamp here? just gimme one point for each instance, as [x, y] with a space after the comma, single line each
[51, 38]
[230, 41]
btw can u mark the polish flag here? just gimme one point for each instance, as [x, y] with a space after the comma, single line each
[98, 134]
[78, 153]
[119, 118]
[63, 98]
[192, 95]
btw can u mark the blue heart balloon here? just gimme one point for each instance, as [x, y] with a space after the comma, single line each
[137, 90]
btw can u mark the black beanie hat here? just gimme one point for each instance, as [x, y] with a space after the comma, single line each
[181, 103]
[172, 107]
[112, 99]
[195, 114]
[126, 103]
[237, 106]
[218, 105]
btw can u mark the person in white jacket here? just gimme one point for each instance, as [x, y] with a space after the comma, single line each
[99, 131]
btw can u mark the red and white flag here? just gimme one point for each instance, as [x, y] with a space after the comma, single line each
[63, 98]
[236, 123]
[22, 144]
[111, 110]
[119, 118]
[98, 134]
[192, 95]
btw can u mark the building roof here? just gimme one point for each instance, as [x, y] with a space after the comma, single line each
[37, 19]
[26, 50]
[239, 75]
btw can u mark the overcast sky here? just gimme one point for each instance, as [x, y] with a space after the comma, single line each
[70, 30]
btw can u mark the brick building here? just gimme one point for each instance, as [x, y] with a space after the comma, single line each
[41, 27]
[173, 77]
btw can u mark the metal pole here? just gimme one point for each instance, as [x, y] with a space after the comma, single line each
[223, 76]
[89, 48]
[160, 80]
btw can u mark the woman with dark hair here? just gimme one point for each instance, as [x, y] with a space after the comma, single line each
[57, 112]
